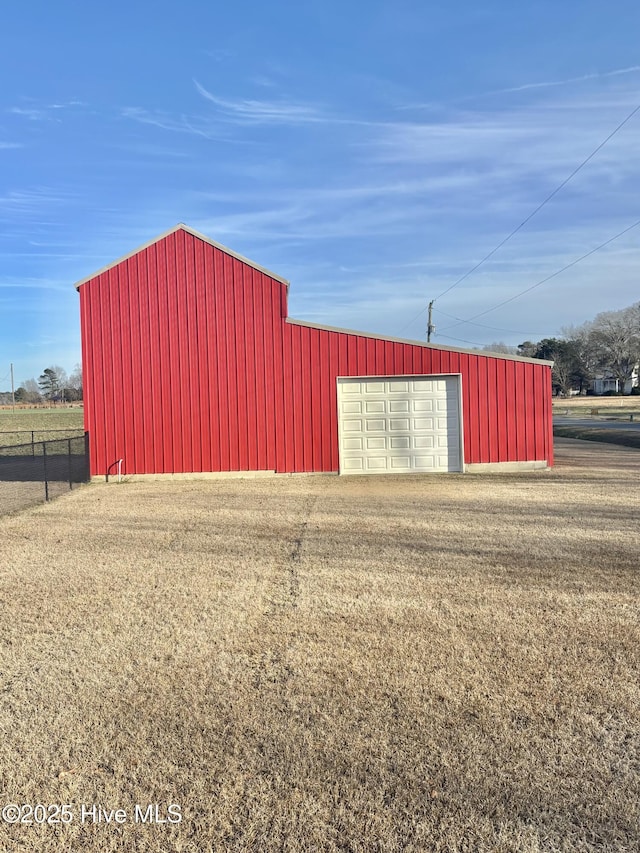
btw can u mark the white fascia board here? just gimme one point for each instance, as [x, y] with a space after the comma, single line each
[501, 355]
[194, 233]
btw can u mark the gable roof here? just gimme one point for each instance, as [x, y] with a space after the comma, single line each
[182, 227]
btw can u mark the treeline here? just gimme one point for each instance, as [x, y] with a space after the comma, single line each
[608, 347]
[53, 385]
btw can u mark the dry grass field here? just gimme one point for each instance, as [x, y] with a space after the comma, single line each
[444, 663]
[578, 406]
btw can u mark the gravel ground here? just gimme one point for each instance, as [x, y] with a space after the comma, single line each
[446, 663]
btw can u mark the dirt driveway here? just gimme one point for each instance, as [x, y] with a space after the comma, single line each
[439, 663]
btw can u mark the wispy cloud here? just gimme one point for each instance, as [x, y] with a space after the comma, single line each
[34, 111]
[633, 69]
[5, 146]
[524, 87]
[192, 125]
[505, 148]
[264, 112]
[32, 283]
[34, 198]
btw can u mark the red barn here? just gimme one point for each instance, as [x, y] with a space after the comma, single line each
[191, 364]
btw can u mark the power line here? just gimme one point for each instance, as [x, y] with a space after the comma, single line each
[542, 204]
[464, 341]
[549, 277]
[484, 326]
[530, 216]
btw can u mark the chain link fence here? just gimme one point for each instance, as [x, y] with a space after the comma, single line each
[10, 437]
[38, 471]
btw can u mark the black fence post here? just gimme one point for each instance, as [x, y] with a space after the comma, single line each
[44, 463]
[87, 464]
[33, 446]
[70, 467]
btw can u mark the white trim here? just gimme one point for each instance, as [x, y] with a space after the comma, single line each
[401, 376]
[182, 227]
[501, 355]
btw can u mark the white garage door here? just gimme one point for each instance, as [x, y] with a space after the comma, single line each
[399, 424]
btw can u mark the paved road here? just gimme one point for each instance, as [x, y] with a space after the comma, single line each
[595, 423]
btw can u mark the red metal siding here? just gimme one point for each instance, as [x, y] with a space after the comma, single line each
[191, 365]
[491, 398]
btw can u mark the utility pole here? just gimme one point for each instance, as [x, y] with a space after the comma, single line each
[430, 327]
[13, 393]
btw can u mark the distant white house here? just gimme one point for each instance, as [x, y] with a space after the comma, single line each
[602, 384]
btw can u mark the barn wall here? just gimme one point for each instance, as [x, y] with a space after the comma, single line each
[506, 404]
[191, 365]
[181, 347]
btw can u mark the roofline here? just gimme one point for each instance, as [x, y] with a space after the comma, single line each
[501, 355]
[182, 227]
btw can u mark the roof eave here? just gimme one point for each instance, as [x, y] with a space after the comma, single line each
[182, 227]
[360, 334]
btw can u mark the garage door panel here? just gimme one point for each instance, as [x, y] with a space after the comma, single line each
[352, 443]
[375, 437]
[353, 463]
[400, 463]
[422, 424]
[400, 442]
[423, 442]
[397, 387]
[376, 443]
[425, 463]
[398, 424]
[377, 463]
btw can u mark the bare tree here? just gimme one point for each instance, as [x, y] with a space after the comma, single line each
[74, 383]
[614, 341]
[500, 347]
[31, 391]
[61, 375]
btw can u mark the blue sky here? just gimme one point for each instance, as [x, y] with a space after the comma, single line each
[370, 152]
